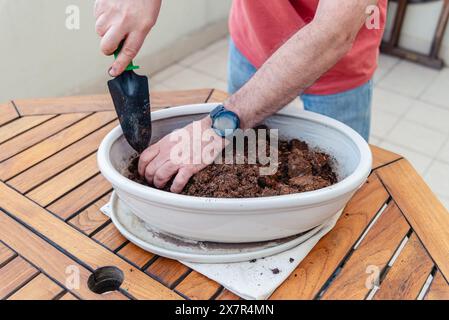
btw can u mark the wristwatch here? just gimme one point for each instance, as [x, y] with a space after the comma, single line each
[224, 121]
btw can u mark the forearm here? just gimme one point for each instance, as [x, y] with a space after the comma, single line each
[295, 66]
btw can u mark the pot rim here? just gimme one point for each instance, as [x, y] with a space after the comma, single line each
[349, 184]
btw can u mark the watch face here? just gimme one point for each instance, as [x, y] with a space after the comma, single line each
[225, 123]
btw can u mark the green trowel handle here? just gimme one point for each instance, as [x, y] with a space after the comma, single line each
[131, 66]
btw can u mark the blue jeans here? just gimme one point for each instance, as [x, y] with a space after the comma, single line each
[352, 107]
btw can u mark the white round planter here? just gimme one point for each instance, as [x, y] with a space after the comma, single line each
[250, 219]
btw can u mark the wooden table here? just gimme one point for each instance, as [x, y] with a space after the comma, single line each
[51, 228]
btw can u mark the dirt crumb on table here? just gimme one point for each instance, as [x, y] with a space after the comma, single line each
[300, 169]
[275, 271]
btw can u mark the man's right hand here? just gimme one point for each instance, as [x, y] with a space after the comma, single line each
[129, 20]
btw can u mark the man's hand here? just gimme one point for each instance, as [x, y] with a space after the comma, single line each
[129, 20]
[200, 146]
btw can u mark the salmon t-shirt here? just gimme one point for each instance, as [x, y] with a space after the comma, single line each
[258, 28]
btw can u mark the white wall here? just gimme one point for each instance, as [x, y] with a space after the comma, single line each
[40, 57]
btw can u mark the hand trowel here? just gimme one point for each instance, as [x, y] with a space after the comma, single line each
[131, 98]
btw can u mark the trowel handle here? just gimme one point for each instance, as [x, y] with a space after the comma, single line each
[131, 66]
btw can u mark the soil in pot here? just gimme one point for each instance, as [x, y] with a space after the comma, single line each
[300, 169]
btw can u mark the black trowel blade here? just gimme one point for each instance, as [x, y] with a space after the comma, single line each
[131, 97]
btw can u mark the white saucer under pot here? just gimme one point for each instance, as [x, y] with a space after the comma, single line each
[173, 247]
[242, 220]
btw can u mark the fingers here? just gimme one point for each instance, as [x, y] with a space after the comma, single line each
[153, 166]
[111, 40]
[99, 8]
[164, 174]
[181, 179]
[102, 25]
[130, 48]
[146, 157]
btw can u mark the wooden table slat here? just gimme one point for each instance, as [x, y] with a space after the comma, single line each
[68, 296]
[168, 99]
[103, 102]
[7, 113]
[414, 197]
[21, 125]
[314, 271]
[137, 283]
[167, 271]
[375, 251]
[135, 255]
[197, 287]
[217, 96]
[6, 254]
[383, 157]
[38, 134]
[110, 237]
[13, 275]
[53, 144]
[65, 181]
[227, 295]
[408, 274]
[57, 163]
[439, 288]
[40, 288]
[91, 218]
[81, 197]
[91, 103]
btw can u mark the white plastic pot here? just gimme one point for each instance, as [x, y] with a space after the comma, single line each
[250, 219]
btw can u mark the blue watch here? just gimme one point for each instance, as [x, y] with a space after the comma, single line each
[224, 121]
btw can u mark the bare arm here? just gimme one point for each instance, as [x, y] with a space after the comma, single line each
[295, 66]
[298, 63]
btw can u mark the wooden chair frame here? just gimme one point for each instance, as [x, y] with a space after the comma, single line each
[392, 45]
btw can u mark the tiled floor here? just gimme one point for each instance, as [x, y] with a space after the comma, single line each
[410, 107]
